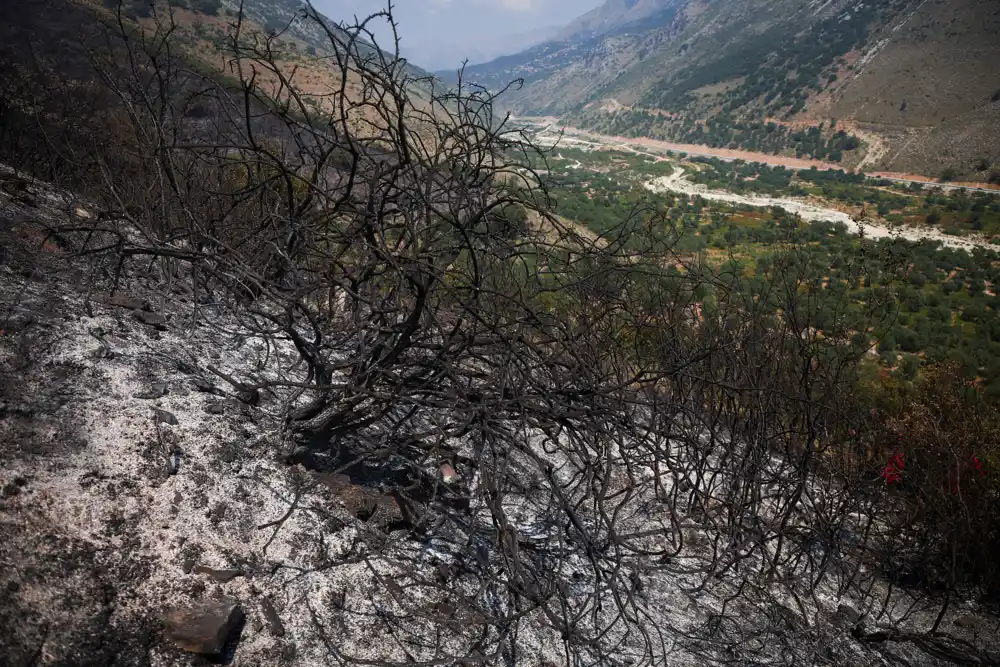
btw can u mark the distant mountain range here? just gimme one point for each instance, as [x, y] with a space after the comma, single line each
[903, 85]
[430, 51]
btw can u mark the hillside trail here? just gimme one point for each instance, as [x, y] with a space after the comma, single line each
[878, 148]
[677, 182]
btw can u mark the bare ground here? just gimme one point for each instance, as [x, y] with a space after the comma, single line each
[110, 516]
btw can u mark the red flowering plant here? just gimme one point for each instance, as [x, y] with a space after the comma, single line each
[893, 471]
[936, 445]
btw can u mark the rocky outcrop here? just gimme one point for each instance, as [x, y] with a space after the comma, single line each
[205, 628]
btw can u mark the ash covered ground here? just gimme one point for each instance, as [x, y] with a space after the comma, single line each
[135, 480]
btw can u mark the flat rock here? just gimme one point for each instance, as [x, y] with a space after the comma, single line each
[222, 576]
[205, 628]
[966, 621]
[157, 390]
[846, 616]
[126, 301]
[164, 417]
[201, 384]
[248, 395]
[155, 320]
[271, 616]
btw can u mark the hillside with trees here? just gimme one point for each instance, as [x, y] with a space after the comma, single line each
[903, 86]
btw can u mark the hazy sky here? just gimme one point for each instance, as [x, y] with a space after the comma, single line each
[438, 34]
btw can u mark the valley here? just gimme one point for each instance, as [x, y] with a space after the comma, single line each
[903, 86]
[813, 208]
[551, 127]
[736, 214]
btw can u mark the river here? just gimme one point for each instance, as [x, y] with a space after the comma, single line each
[677, 182]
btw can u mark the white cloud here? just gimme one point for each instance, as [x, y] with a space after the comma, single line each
[434, 6]
[439, 34]
[518, 5]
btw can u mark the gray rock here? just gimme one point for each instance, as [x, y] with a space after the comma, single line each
[249, 395]
[846, 616]
[185, 367]
[155, 320]
[204, 629]
[966, 621]
[271, 616]
[164, 417]
[103, 352]
[222, 576]
[201, 384]
[157, 390]
[124, 301]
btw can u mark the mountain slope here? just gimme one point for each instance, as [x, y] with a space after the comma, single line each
[287, 15]
[612, 15]
[286, 43]
[774, 75]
